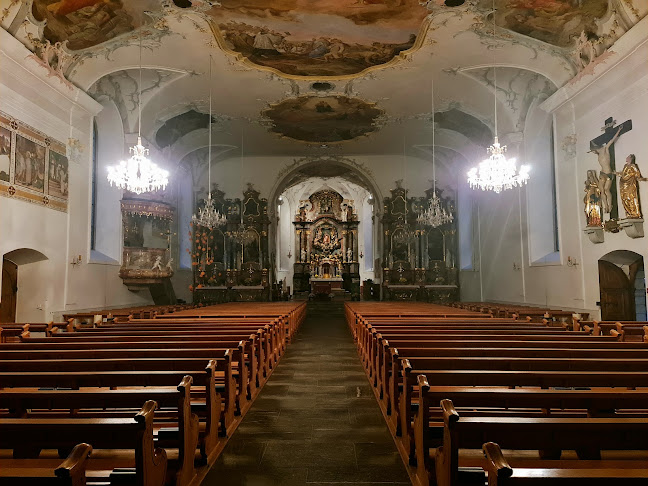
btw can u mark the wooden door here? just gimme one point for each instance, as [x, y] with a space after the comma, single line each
[617, 293]
[9, 291]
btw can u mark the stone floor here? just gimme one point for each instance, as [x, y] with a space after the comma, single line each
[316, 421]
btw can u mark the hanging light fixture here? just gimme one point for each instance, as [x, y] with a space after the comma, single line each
[138, 174]
[435, 214]
[497, 173]
[208, 216]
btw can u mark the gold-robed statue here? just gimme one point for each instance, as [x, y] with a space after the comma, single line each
[592, 200]
[629, 179]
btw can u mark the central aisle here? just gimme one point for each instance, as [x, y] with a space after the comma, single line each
[316, 421]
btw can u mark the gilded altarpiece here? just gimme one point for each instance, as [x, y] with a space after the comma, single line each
[231, 262]
[326, 242]
[419, 261]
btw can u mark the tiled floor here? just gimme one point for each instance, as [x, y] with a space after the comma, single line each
[316, 421]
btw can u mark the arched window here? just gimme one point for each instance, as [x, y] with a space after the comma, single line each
[93, 203]
[542, 208]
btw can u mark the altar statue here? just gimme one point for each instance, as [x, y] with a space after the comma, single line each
[592, 200]
[303, 255]
[629, 187]
[607, 174]
[349, 255]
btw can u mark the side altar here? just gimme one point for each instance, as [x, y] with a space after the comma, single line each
[326, 239]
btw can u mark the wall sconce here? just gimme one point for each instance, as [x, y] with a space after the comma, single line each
[361, 254]
[571, 262]
[289, 253]
[517, 266]
[76, 261]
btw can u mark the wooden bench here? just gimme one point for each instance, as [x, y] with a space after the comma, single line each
[529, 402]
[587, 435]
[174, 403]
[27, 437]
[71, 472]
[208, 404]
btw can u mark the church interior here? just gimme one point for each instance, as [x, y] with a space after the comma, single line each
[282, 242]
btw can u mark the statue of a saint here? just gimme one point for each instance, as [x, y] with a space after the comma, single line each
[629, 187]
[302, 255]
[349, 255]
[607, 174]
[592, 200]
[343, 214]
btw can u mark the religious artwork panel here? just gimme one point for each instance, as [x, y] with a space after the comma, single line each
[57, 184]
[323, 119]
[557, 22]
[5, 154]
[87, 23]
[30, 164]
[25, 155]
[319, 37]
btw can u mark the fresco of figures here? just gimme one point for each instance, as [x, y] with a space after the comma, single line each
[5, 154]
[30, 164]
[557, 22]
[57, 184]
[323, 118]
[319, 37]
[86, 23]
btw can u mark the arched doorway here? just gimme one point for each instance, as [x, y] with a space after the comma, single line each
[9, 291]
[11, 262]
[622, 286]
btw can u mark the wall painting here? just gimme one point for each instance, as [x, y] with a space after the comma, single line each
[33, 167]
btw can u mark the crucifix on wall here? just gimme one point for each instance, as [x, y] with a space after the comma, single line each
[603, 147]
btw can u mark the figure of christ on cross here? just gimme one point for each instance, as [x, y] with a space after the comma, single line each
[603, 147]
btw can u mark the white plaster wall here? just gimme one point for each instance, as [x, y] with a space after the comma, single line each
[51, 287]
[618, 88]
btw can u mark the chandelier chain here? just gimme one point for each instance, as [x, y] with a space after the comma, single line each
[497, 173]
[208, 215]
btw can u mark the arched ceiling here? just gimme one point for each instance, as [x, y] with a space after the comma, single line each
[283, 69]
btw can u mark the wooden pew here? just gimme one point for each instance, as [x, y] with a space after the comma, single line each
[28, 436]
[176, 403]
[243, 358]
[218, 418]
[546, 368]
[500, 473]
[71, 472]
[589, 435]
[529, 402]
[386, 368]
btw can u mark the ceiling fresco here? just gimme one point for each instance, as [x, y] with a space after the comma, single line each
[87, 23]
[319, 38]
[556, 22]
[323, 118]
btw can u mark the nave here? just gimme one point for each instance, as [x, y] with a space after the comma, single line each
[470, 394]
[316, 421]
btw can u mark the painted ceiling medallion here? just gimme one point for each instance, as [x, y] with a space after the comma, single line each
[319, 38]
[323, 118]
[87, 23]
[556, 22]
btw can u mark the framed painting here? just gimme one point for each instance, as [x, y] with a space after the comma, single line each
[5, 153]
[57, 175]
[30, 164]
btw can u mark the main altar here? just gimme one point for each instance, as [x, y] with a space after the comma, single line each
[326, 239]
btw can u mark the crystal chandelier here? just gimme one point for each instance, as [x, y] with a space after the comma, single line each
[435, 214]
[138, 174]
[497, 173]
[208, 216]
